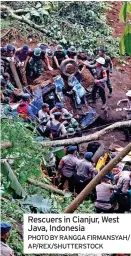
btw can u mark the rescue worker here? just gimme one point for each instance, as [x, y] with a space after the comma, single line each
[127, 131]
[58, 108]
[123, 183]
[100, 75]
[9, 51]
[24, 109]
[128, 102]
[59, 56]
[70, 122]
[108, 66]
[44, 112]
[6, 88]
[72, 53]
[55, 128]
[5, 249]
[49, 53]
[67, 168]
[85, 172]
[21, 55]
[7, 55]
[104, 191]
[36, 61]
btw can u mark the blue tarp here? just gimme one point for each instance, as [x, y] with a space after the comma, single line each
[77, 88]
[88, 118]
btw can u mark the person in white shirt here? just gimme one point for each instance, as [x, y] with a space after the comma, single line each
[122, 186]
[44, 112]
[59, 108]
[104, 191]
[128, 102]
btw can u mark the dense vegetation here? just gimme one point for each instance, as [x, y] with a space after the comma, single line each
[82, 24]
[69, 23]
[24, 158]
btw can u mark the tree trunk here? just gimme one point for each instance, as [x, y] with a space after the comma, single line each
[15, 75]
[45, 186]
[6, 144]
[87, 138]
[86, 191]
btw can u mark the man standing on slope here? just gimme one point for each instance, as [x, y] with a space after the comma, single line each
[108, 66]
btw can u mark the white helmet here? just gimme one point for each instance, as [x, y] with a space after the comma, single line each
[101, 60]
[128, 94]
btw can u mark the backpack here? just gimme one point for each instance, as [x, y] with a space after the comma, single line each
[55, 129]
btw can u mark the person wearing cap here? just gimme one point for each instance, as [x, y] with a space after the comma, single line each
[22, 53]
[5, 249]
[67, 168]
[104, 191]
[44, 112]
[100, 78]
[72, 53]
[36, 60]
[24, 109]
[70, 122]
[108, 66]
[85, 172]
[21, 56]
[59, 108]
[59, 56]
[122, 186]
[55, 128]
[10, 50]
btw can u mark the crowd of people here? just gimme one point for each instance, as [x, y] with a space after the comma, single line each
[56, 122]
[113, 193]
[31, 63]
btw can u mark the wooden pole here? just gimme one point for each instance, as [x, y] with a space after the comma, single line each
[86, 191]
[15, 75]
[45, 186]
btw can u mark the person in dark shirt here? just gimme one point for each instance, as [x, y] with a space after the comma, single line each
[8, 51]
[36, 59]
[21, 56]
[72, 53]
[100, 78]
[59, 56]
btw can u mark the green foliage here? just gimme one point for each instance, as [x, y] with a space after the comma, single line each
[11, 177]
[125, 10]
[125, 42]
[82, 24]
[25, 151]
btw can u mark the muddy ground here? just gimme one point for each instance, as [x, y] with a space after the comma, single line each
[121, 79]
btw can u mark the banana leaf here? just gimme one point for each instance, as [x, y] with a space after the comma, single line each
[125, 9]
[14, 183]
[36, 201]
[125, 42]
